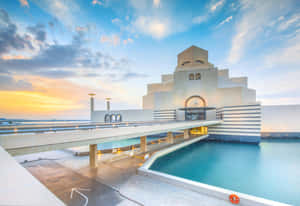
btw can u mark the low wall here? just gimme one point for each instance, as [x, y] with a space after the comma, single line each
[217, 192]
[131, 115]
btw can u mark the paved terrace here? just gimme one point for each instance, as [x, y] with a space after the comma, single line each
[15, 180]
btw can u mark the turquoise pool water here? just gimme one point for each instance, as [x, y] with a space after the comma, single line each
[270, 170]
[123, 143]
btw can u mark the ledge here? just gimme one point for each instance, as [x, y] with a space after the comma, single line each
[217, 192]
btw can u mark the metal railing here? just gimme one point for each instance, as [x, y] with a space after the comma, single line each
[17, 129]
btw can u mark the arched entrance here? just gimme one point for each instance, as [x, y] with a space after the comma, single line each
[195, 101]
[195, 108]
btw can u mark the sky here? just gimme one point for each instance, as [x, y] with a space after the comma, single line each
[54, 52]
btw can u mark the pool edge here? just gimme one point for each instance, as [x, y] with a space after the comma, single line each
[202, 188]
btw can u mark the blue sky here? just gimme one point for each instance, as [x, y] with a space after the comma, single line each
[60, 50]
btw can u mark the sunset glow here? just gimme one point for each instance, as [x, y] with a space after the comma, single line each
[53, 53]
[32, 102]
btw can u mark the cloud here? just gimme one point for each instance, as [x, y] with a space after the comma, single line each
[38, 31]
[214, 7]
[208, 13]
[10, 57]
[132, 75]
[97, 2]
[55, 98]
[82, 28]
[286, 55]
[116, 21]
[156, 27]
[24, 3]
[127, 41]
[199, 19]
[151, 19]
[293, 20]
[8, 83]
[113, 39]
[68, 60]
[254, 16]
[160, 19]
[61, 61]
[228, 19]
[64, 11]
[156, 3]
[9, 38]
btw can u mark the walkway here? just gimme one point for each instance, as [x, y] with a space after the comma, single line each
[113, 183]
[30, 143]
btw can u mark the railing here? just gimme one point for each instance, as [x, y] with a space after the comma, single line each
[16, 129]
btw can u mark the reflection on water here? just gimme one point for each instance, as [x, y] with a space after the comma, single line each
[270, 169]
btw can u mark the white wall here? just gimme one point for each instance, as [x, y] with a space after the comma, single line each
[281, 118]
[127, 115]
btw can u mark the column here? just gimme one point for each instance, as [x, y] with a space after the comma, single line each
[202, 130]
[93, 156]
[143, 144]
[91, 104]
[186, 134]
[170, 138]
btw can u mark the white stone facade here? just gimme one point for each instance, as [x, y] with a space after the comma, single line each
[196, 82]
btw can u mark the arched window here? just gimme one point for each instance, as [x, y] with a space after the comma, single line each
[199, 61]
[107, 118]
[195, 101]
[184, 63]
[113, 118]
[198, 76]
[191, 76]
[119, 118]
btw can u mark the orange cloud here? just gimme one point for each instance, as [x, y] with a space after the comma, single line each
[24, 3]
[94, 2]
[10, 57]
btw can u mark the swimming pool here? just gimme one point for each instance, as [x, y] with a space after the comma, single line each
[269, 170]
[126, 142]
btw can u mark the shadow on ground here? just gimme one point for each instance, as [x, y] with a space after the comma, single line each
[61, 180]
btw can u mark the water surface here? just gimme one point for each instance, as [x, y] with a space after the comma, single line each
[270, 170]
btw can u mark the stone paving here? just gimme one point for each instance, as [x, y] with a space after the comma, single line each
[61, 180]
[112, 183]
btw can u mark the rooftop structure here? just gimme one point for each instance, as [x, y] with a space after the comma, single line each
[197, 83]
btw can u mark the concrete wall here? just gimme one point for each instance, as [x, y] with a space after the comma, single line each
[127, 115]
[166, 115]
[148, 101]
[167, 78]
[281, 118]
[241, 123]
[214, 86]
[159, 87]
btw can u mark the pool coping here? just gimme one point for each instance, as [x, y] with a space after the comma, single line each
[202, 188]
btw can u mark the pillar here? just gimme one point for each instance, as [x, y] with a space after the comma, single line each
[91, 104]
[170, 138]
[108, 104]
[186, 134]
[143, 145]
[202, 130]
[93, 156]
